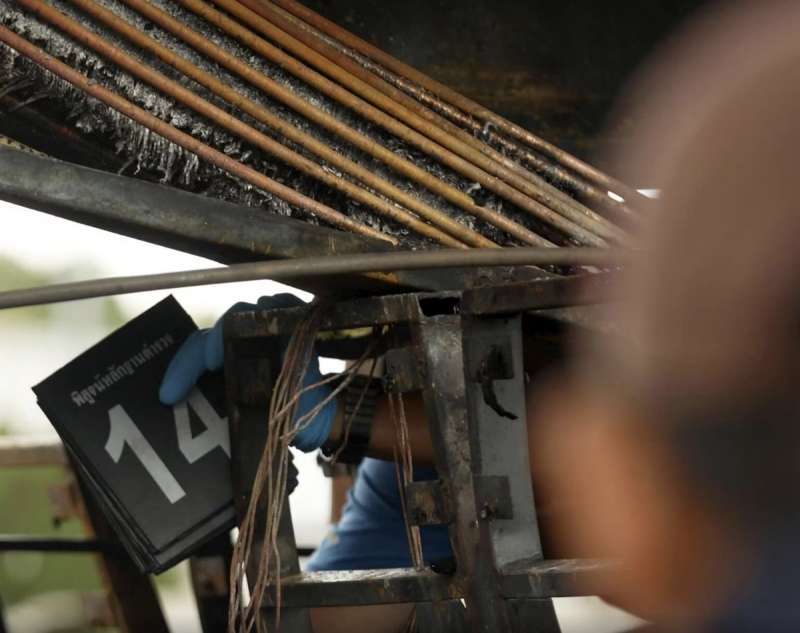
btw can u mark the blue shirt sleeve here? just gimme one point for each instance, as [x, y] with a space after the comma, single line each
[371, 533]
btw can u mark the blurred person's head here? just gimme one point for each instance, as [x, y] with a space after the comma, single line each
[679, 446]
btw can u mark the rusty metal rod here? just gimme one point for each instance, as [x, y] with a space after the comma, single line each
[563, 158]
[190, 144]
[162, 83]
[278, 92]
[331, 123]
[584, 217]
[311, 38]
[258, 112]
[293, 269]
[377, 116]
[528, 157]
[315, 40]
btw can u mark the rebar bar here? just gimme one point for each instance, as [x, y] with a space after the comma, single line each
[162, 83]
[331, 123]
[545, 193]
[539, 164]
[182, 139]
[590, 173]
[583, 217]
[314, 267]
[260, 113]
[377, 116]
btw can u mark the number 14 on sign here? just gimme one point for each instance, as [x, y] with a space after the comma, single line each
[123, 430]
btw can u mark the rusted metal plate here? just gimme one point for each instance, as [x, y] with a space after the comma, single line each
[428, 503]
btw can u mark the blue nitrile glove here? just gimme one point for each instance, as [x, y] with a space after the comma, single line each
[371, 533]
[204, 351]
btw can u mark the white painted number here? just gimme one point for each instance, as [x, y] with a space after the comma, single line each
[216, 433]
[124, 431]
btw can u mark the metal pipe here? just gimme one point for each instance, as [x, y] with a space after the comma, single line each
[291, 132]
[253, 13]
[314, 267]
[162, 83]
[592, 174]
[331, 123]
[312, 38]
[181, 139]
[377, 116]
[24, 543]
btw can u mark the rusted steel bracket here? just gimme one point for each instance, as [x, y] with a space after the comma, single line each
[484, 493]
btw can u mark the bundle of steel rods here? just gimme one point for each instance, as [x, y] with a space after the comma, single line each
[392, 154]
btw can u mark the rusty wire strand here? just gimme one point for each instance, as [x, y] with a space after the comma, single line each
[377, 116]
[331, 123]
[182, 139]
[404, 471]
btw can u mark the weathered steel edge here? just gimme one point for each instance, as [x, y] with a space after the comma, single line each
[534, 296]
[545, 579]
[221, 231]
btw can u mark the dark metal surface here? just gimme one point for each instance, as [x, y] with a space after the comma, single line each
[25, 543]
[363, 587]
[210, 228]
[551, 578]
[427, 503]
[484, 492]
[383, 265]
[554, 293]
[435, 617]
[209, 569]
[439, 345]
[538, 615]
[541, 295]
[555, 67]
[166, 216]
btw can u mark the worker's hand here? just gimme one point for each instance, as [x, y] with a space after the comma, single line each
[204, 351]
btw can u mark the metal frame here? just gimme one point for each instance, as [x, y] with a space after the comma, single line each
[464, 349]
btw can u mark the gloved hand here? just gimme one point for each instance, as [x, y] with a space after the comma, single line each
[204, 351]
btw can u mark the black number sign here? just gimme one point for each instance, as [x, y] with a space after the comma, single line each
[162, 473]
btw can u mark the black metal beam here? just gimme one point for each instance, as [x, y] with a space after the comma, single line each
[221, 231]
[24, 543]
[362, 587]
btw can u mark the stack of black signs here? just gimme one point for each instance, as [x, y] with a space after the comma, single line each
[161, 474]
